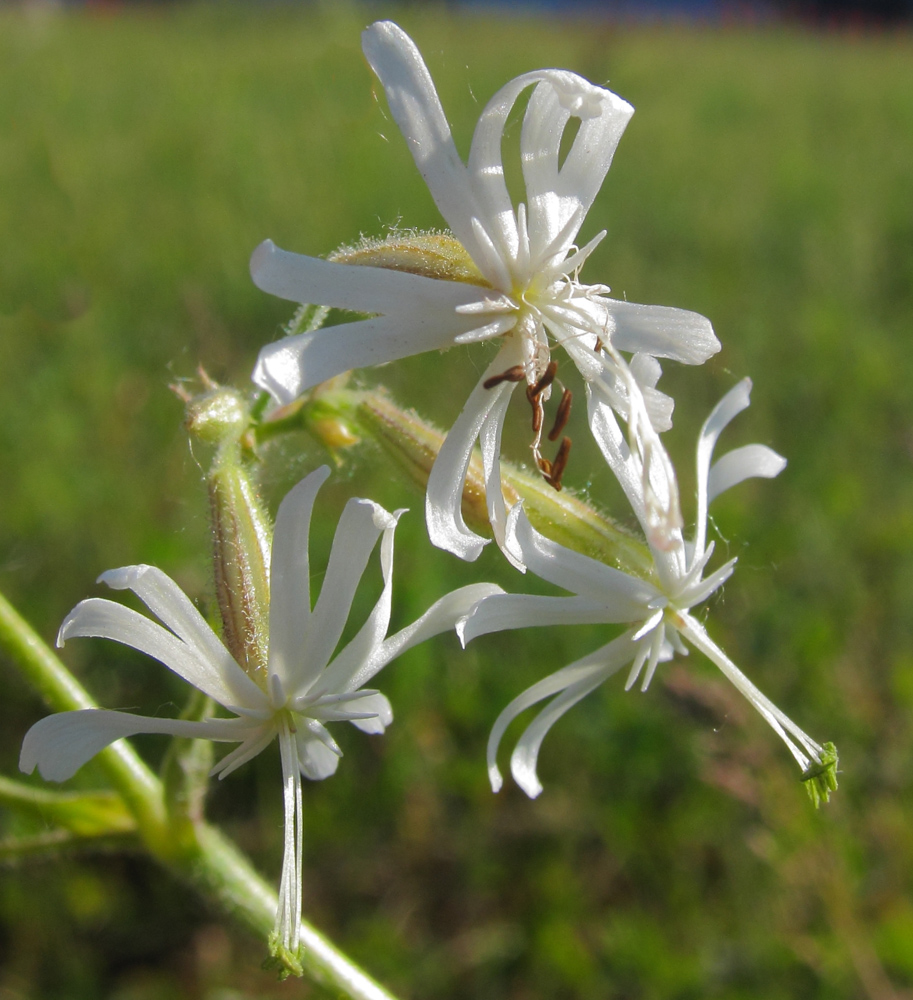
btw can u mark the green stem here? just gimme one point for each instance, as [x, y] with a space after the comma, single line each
[137, 785]
[226, 875]
[84, 814]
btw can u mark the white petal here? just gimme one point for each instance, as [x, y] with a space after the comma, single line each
[419, 314]
[104, 619]
[358, 288]
[356, 535]
[555, 197]
[597, 666]
[490, 444]
[377, 703]
[315, 758]
[60, 744]
[350, 668]
[753, 460]
[290, 601]
[619, 593]
[662, 331]
[172, 607]
[443, 615]
[417, 111]
[444, 498]
[526, 753]
[736, 400]
[513, 611]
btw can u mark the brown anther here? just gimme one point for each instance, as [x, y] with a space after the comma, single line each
[562, 416]
[538, 411]
[599, 345]
[558, 466]
[548, 376]
[515, 374]
[545, 467]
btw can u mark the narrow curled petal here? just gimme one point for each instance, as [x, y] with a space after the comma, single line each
[623, 597]
[559, 196]
[417, 111]
[172, 607]
[525, 757]
[290, 601]
[104, 619]
[585, 674]
[444, 498]
[513, 611]
[60, 744]
[490, 444]
[361, 524]
[348, 671]
[732, 468]
[440, 617]
[752, 460]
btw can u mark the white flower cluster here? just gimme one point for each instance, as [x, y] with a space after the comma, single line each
[524, 291]
[510, 274]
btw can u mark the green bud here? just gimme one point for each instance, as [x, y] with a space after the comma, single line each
[241, 554]
[413, 445]
[433, 255]
[217, 416]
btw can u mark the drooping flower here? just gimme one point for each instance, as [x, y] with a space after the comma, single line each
[507, 273]
[657, 609]
[304, 688]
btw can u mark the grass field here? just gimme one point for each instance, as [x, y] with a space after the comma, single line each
[765, 181]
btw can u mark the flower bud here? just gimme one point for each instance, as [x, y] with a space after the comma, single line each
[241, 558]
[217, 415]
[433, 255]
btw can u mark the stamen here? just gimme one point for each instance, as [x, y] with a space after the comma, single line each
[545, 467]
[514, 374]
[562, 416]
[538, 412]
[558, 466]
[548, 376]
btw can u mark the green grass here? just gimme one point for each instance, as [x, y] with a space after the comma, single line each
[764, 181]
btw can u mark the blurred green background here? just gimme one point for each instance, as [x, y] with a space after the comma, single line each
[765, 181]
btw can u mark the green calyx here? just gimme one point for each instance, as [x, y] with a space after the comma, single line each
[820, 778]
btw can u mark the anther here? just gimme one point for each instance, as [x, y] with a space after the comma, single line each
[562, 416]
[558, 466]
[545, 467]
[538, 411]
[548, 376]
[515, 374]
[599, 345]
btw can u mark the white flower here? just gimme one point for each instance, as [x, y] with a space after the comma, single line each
[657, 610]
[305, 686]
[518, 273]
